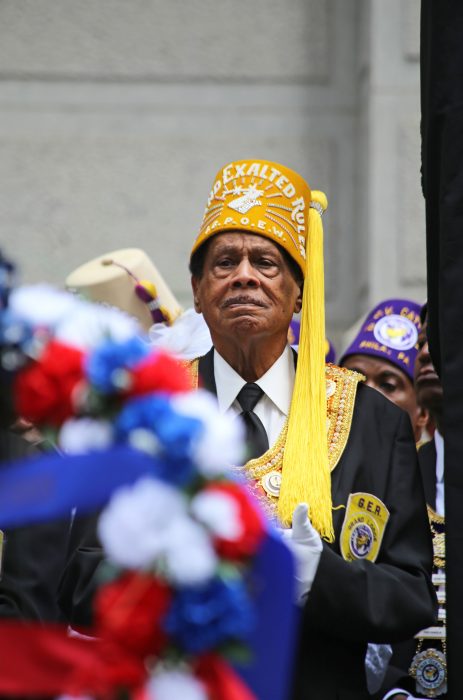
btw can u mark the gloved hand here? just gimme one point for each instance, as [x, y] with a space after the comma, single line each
[306, 545]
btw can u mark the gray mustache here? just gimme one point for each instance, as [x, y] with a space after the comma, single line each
[242, 300]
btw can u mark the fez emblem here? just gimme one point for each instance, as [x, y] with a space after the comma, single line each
[247, 201]
[363, 527]
[396, 332]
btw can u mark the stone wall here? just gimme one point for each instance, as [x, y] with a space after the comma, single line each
[115, 116]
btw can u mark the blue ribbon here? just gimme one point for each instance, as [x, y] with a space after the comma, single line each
[50, 486]
[272, 642]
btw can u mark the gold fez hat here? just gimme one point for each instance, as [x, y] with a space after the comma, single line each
[270, 200]
[129, 280]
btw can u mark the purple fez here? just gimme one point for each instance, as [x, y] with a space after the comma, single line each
[390, 331]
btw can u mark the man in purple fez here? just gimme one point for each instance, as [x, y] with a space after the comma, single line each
[384, 351]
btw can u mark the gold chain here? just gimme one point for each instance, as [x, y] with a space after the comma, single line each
[438, 538]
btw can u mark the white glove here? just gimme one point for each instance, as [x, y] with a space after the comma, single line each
[306, 546]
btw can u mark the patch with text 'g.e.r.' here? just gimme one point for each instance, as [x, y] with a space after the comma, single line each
[363, 527]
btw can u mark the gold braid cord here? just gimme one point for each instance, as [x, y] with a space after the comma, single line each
[264, 473]
[437, 525]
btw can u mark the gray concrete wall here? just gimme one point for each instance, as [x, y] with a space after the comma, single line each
[115, 116]
[393, 218]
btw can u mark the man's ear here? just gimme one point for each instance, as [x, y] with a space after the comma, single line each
[194, 286]
[298, 304]
[422, 417]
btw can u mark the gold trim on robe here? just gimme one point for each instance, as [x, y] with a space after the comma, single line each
[264, 473]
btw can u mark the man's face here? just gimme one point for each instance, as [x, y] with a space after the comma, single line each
[427, 384]
[246, 289]
[385, 377]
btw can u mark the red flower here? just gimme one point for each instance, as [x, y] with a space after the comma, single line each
[221, 681]
[129, 611]
[159, 372]
[251, 519]
[43, 390]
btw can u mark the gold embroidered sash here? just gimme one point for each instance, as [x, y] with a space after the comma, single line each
[264, 473]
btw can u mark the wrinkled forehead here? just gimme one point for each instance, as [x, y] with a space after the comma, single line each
[240, 241]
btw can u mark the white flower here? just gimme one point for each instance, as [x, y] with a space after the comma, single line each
[219, 512]
[42, 305]
[134, 527]
[175, 685]
[79, 435]
[144, 440]
[188, 337]
[73, 321]
[91, 324]
[221, 443]
[190, 557]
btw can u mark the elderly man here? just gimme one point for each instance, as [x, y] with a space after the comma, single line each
[316, 438]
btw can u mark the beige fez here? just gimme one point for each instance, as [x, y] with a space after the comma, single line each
[129, 280]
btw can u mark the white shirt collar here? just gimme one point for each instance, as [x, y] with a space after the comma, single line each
[439, 442]
[277, 383]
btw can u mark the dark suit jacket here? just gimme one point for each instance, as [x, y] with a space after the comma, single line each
[33, 556]
[353, 603]
[403, 653]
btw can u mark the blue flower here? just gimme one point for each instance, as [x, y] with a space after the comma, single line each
[105, 367]
[201, 618]
[174, 432]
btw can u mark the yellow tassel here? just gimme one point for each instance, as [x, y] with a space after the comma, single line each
[306, 474]
[150, 287]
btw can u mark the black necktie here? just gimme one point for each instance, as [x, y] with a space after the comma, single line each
[255, 432]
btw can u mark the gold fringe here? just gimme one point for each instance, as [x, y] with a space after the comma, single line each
[306, 473]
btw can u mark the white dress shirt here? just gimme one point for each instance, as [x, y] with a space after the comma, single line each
[277, 384]
[439, 443]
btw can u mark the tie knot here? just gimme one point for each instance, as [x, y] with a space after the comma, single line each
[249, 396]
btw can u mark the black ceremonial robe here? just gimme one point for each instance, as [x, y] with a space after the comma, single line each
[355, 602]
[397, 673]
[442, 174]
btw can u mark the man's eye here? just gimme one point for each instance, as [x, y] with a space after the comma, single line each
[388, 387]
[265, 262]
[224, 262]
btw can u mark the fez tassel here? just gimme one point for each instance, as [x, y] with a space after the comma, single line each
[55, 663]
[306, 474]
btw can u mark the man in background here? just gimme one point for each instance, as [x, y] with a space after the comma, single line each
[419, 666]
[384, 351]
